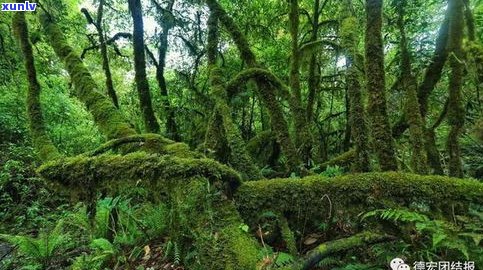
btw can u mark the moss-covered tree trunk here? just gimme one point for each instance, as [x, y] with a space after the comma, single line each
[107, 117]
[167, 23]
[41, 139]
[313, 80]
[456, 111]
[375, 79]
[265, 90]
[357, 119]
[303, 136]
[142, 84]
[111, 92]
[419, 160]
[222, 128]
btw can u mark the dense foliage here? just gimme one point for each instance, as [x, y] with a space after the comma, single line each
[263, 134]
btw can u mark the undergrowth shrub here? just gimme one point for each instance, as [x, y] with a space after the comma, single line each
[427, 239]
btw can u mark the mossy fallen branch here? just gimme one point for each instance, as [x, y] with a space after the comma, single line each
[110, 172]
[352, 194]
[355, 241]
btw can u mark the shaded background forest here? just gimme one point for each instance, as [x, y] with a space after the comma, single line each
[268, 88]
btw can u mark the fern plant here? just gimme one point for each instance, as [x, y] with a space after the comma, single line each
[103, 251]
[41, 249]
[437, 236]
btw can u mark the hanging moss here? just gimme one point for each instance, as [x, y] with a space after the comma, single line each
[109, 120]
[375, 79]
[41, 139]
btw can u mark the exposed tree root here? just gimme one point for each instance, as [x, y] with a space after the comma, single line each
[358, 240]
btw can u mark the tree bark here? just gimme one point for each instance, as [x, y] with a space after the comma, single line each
[313, 80]
[222, 123]
[150, 121]
[375, 77]
[166, 25]
[103, 46]
[41, 140]
[302, 131]
[419, 159]
[107, 117]
[357, 114]
[456, 111]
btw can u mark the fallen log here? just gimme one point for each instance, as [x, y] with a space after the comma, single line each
[352, 194]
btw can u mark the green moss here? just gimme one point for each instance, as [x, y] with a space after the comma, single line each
[375, 85]
[212, 224]
[357, 113]
[419, 159]
[456, 110]
[288, 236]
[358, 240]
[41, 140]
[109, 120]
[222, 128]
[343, 160]
[352, 194]
[105, 172]
[241, 248]
[478, 129]
[148, 142]
[238, 37]
[258, 74]
[265, 90]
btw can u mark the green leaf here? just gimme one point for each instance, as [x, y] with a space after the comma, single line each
[244, 227]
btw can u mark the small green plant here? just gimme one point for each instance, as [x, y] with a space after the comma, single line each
[434, 238]
[332, 171]
[41, 249]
